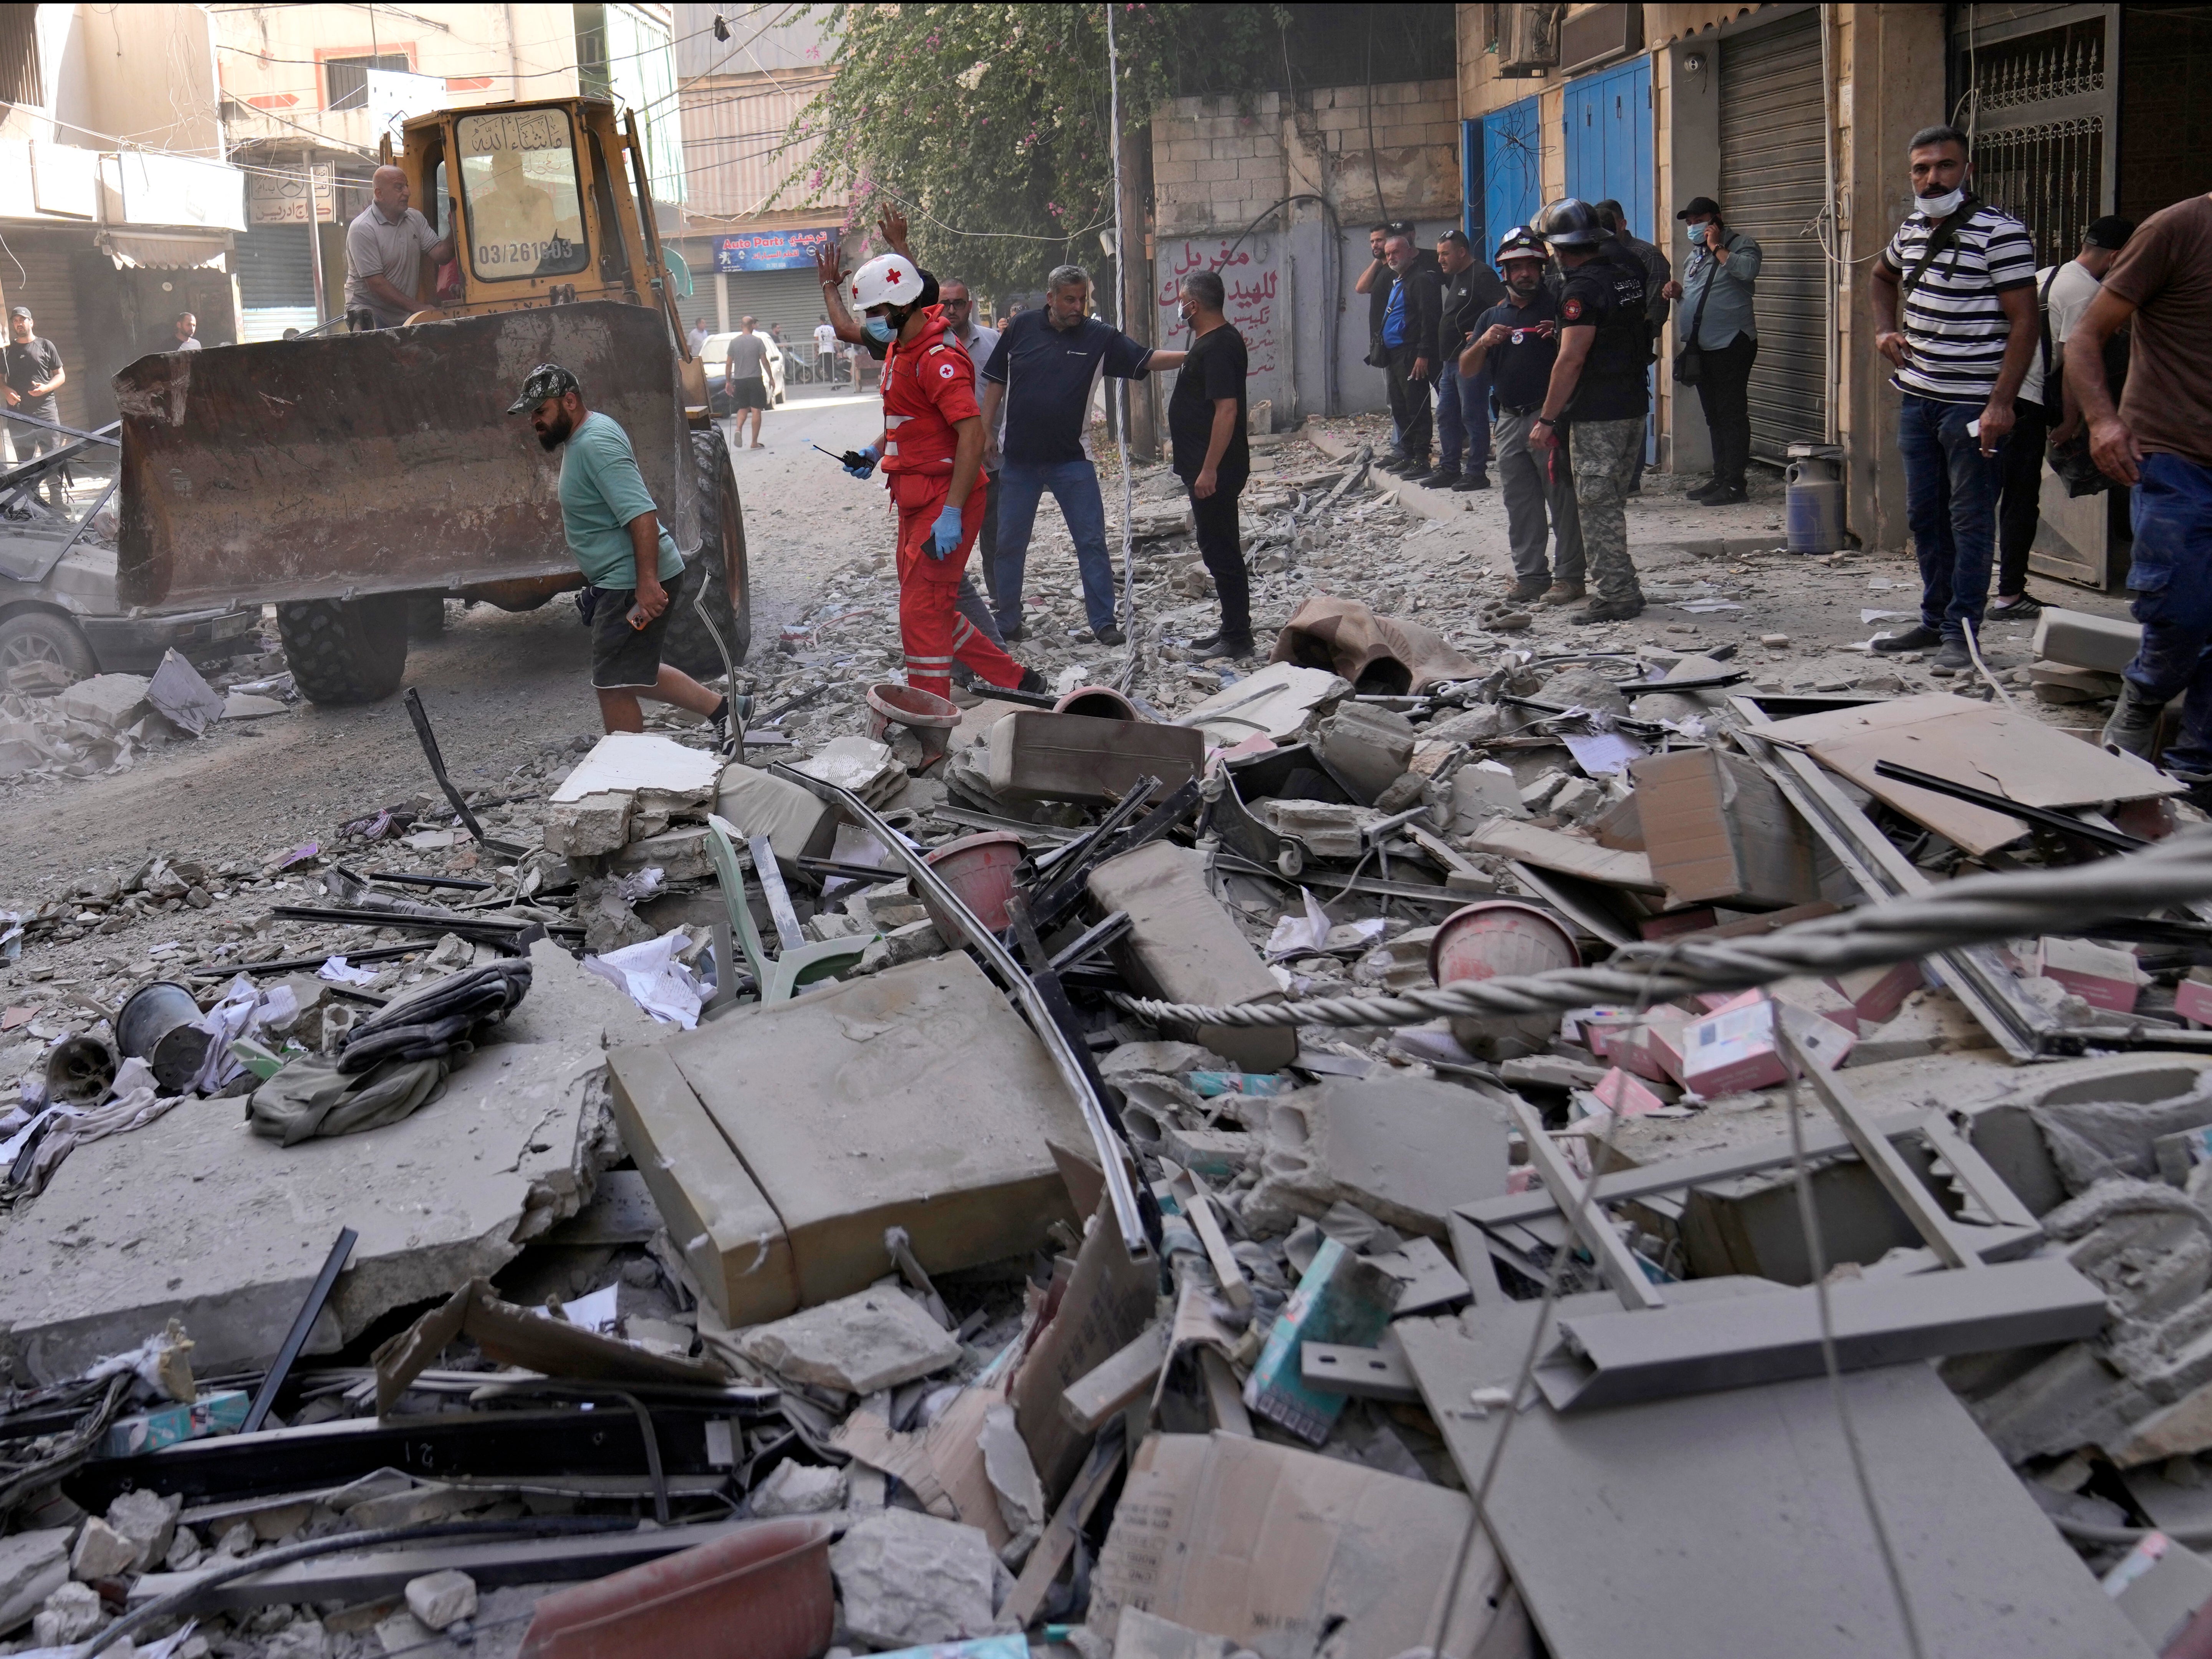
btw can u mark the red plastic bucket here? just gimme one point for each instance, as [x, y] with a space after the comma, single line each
[928, 716]
[764, 1593]
[1101, 702]
[981, 870]
[1500, 938]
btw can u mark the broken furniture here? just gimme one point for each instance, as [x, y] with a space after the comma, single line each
[798, 962]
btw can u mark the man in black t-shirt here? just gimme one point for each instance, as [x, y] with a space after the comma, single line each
[1598, 381]
[1517, 344]
[1213, 457]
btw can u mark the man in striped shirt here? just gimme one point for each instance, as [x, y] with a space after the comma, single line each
[1964, 274]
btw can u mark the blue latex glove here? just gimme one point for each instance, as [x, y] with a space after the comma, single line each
[945, 534]
[871, 458]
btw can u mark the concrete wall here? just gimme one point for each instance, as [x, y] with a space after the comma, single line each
[141, 74]
[1215, 168]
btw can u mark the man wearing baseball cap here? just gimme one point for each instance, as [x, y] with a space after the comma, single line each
[633, 577]
[34, 373]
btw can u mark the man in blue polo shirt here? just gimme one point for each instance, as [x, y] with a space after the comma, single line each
[1042, 374]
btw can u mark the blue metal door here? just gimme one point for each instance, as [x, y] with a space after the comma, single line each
[1509, 166]
[1608, 122]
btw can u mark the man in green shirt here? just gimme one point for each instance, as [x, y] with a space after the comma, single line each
[633, 577]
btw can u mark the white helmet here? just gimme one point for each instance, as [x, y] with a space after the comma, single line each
[889, 279]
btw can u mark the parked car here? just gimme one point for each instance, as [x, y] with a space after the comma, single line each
[715, 355]
[58, 606]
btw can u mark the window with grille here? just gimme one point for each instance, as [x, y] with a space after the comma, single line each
[345, 80]
[2036, 108]
[19, 56]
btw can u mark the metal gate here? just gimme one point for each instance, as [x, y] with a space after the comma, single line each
[1608, 122]
[1512, 176]
[1772, 186]
[276, 267]
[39, 275]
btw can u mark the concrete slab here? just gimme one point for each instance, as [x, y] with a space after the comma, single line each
[194, 1216]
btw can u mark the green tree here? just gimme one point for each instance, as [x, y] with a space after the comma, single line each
[989, 124]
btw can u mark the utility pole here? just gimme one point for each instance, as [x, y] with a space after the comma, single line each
[1134, 264]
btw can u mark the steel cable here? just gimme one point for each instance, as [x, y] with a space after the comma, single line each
[1974, 910]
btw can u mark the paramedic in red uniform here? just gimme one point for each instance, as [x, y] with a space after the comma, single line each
[932, 451]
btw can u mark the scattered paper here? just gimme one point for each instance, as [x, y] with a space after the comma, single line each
[1706, 607]
[337, 972]
[651, 977]
[1601, 754]
[1869, 615]
[1299, 934]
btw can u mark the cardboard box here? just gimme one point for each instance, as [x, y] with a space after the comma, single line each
[1734, 1050]
[1037, 755]
[1341, 1299]
[1653, 1049]
[1623, 1094]
[1716, 829]
[1291, 1554]
[219, 1411]
[1818, 996]
[2102, 975]
[2193, 1000]
[1878, 992]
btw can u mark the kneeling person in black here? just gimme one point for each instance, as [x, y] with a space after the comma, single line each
[1213, 457]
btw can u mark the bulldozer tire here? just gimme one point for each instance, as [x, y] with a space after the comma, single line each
[343, 651]
[727, 589]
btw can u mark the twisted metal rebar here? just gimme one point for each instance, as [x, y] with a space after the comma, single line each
[1975, 910]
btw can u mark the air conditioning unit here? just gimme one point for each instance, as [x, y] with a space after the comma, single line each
[1527, 39]
[1596, 34]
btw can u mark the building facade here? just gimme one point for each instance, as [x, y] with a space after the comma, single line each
[1796, 119]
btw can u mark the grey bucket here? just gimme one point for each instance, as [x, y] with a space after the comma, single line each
[157, 1026]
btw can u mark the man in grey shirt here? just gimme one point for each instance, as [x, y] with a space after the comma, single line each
[384, 245]
[744, 379]
[1714, 298]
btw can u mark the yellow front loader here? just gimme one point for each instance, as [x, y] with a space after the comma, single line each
[348, 477]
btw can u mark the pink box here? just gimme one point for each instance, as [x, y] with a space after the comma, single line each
[1879, 992]
[1818, 996]
[1654, 1048]
[2101, 975]
[2193, 1000]
[1734, 1050]
[1623, 1094]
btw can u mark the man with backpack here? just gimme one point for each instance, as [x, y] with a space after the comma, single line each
[1960, 276]
[2063, 293]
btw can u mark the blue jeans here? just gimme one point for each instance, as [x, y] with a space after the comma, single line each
[1074, 485]
[1951, 503]
[2172, 582]
[1464, 419]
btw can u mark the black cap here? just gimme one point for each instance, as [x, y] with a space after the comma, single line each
[2111, 232]
[19, 311]
[1699, 205]
[546, 381]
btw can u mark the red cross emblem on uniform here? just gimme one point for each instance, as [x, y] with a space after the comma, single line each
[944, 371]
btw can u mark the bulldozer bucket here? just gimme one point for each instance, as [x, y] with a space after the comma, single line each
[384, 462]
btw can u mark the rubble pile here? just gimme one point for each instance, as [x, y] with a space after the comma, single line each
[874, 1191]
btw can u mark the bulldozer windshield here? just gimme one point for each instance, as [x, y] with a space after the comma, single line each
[518, 188]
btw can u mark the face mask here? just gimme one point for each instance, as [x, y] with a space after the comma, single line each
[879, 329]
[1940, 207]
[1697, 232]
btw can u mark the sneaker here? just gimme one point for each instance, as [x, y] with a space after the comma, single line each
[719, 724]
[1528, 590]
[1217, 645]
[1915, 638]
[1109, 635]
[2133, 727]
[1411, 466]
[1473, 481]
[1606, 610]
[1700, 491]
[1733, 496]
[1441, 478]
[1010, 632]
[1952, 658]
[1563, 593]
[2016, 607]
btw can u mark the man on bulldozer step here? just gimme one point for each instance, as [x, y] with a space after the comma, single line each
[932, 450]
[633, 577]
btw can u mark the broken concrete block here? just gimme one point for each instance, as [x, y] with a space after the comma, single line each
[1038, 756]
[415, 1507]
[1182, 946]
[912, 943]
[1330, 829]
[1404, 1150]
[2081, 641]
[32, 1566]
[148, 1519]
[1577, 799]
[797, 823]
[303, 1638]
[1367, 746]
[680, 854]
[182, 697]
[1013, 1479]
[1217, 1154]
[1171, 1058]
[402, 1630]
[71, 1613]
[796, 1488]
[1716, 829]
[101, 1552]
[915, 1098]
[184, 1552]
[110, 702]
[876, 1339]
[906, 1579]
[594, 824]
[1279, 701]
[441, 1599]
[1483, 789]
[1536, 794]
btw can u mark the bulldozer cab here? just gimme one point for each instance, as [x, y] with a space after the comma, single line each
[548, 204]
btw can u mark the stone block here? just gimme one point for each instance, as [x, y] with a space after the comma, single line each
[915, 1098]
[858, 1344]
[1405, 1152]
[594, 824]
[679, 854]
[148, 1519]
[2076, 638]
[101, 1552]
[440, 1599]
[907, 1579]
[71, 1613]
[1183, 946]
[32, 1566]
[1368, 747]
[110, 702]
[796, 1488]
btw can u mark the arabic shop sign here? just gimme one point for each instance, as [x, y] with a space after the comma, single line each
[769, 250]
